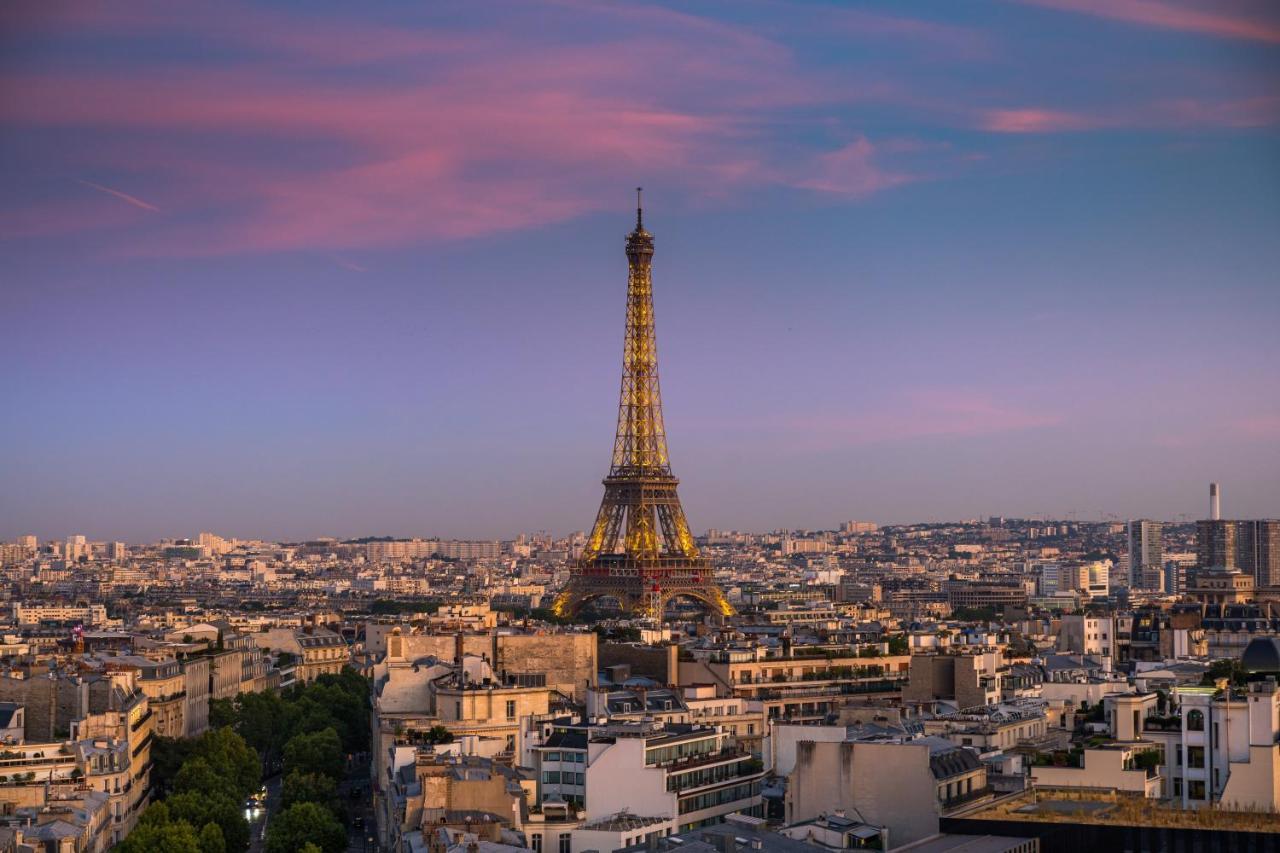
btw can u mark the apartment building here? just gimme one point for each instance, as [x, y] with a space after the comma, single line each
[903, 784]
[690, 773]
[316, 651]
[1220, 750]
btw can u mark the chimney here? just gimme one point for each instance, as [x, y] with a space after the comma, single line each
[1215, 502]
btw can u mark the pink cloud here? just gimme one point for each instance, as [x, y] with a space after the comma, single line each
[123, 196]
[851, 171]
[1260, 426]
[1202, 18]
[930, 413]
[1164, 114]
[1035, 120]
[494, 141]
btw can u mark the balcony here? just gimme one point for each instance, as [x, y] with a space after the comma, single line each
[968, 797]
[1162, 724]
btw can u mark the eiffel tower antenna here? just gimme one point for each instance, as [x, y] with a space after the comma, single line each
[640, 551]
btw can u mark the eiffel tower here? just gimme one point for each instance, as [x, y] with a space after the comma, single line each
[640, 551]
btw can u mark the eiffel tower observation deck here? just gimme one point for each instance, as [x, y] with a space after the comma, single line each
[640, 552]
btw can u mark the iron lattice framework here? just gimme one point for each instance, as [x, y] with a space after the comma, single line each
[640, 551]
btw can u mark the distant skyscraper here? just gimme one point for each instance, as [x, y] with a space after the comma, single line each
[1253, 547]
[77, 547]
[29, 541]
[1146, 554]
[1215, 543]
[1215, 502]
[1258, 550]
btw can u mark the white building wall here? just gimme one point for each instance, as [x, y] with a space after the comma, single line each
[618, 779]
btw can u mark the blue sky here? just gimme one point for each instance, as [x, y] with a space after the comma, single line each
[292, 271]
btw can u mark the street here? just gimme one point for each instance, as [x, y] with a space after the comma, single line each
[258, 818]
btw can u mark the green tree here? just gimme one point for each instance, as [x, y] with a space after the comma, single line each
[198, 808]
[198, 776]
[318, 752]
[211, 840]
[437, 734]
[160, 837]
[302, 787]
[303, 824]
[222, 713]
[261, 720]
[232, 758]
[167, 757]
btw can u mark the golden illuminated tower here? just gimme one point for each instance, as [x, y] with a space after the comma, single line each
[640, 551]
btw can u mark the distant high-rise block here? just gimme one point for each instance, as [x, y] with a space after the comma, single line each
[1253, 547]
[1146, 554]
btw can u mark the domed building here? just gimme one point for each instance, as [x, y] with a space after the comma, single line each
[1261, 658]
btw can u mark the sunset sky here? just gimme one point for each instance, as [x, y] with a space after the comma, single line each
[292, 270]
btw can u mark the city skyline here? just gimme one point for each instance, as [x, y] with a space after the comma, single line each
[910, 267]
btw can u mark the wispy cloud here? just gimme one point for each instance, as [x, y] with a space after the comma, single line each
[123, 196]
[918, 414]
[1163, 114]
[1260, 426]
[503, 137]
[1202, 18]
[1035, 120]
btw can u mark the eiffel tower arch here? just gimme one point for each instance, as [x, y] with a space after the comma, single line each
[640, 551]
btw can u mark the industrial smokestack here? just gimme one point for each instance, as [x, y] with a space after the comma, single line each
[1215, 502]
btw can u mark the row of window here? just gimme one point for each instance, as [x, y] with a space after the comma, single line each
[570, 757]
[562, 777]
[721, 797]
[684, 749]
[707, 775]
[566, 841]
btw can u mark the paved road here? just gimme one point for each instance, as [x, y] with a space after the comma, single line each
[354, 792]
[258, 823]
[356, 796]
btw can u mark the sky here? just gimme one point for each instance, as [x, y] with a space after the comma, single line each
[295, 270]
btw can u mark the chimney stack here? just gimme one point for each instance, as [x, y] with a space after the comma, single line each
[1215, 502]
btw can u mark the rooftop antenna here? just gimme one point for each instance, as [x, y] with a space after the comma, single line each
[639, 210]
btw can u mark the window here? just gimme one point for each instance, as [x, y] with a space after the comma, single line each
[565, 840]
[1215, 735]
[535, 841]
[511, 743]
[1195, 757]
[553, 756]
[551, 777]
[1195, 721]
[511, 709]
[1195, 789]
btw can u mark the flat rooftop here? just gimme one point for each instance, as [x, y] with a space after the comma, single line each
[1060, 806]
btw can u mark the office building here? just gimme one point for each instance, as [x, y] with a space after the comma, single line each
[1146, 555]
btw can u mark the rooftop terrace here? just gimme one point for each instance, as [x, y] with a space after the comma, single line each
[1076, 806]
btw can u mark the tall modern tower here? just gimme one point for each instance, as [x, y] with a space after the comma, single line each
[640, 551]
[1146, 555]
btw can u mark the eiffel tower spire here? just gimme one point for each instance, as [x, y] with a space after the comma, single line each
[640, 550]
